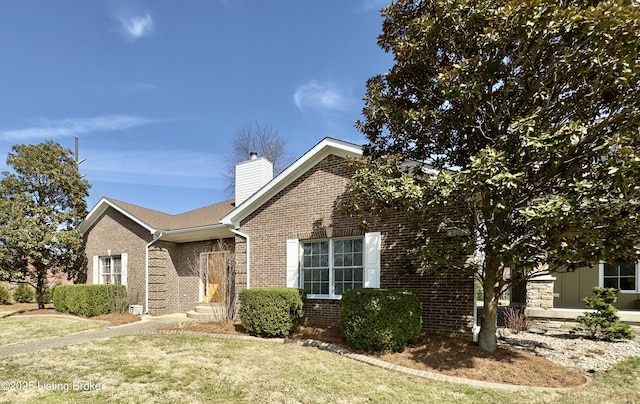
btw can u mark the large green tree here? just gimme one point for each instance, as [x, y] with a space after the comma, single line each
[529, 112]
[42, 204]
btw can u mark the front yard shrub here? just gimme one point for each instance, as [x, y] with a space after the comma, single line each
[4, 295]
[604, 323]
[60, 298]
[90, 300]
[380, 319]
[23, 293]
[47, 293]
[271, 312]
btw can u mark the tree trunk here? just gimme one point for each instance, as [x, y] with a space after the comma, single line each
[40, 292]
[487, 339]
[489, 321]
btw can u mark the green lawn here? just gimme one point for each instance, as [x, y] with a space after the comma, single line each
[26, 328]
[193, 368]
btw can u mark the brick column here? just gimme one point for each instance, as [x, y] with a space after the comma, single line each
[540, 291]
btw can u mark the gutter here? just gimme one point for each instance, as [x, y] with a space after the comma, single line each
[246, 237]
[156, 237]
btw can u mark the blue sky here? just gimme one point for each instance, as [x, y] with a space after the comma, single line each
[154, 90]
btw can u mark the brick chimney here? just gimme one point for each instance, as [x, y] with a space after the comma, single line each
[251, 175]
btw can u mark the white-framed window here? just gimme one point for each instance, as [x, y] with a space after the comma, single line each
[326, 268]
[622, 276]
[110, 269]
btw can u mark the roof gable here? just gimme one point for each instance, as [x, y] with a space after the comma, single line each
[159, 222]
[326, 147]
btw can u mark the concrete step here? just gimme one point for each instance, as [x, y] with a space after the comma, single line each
[213, 312]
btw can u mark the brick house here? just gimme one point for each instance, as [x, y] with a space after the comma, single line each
[285, 231]
[158, 256]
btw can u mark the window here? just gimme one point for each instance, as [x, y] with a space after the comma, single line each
[111, 270]
[330, 267]
[623, 277]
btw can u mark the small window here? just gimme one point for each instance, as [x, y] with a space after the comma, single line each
[111, 270]
[623, 277]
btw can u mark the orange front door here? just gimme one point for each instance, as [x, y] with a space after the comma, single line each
[213, 279]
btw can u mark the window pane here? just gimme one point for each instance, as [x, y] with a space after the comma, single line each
[337, 260]
[628, 283]
[324, 247]
[357, 245]
[339, 275]
[338, 247]
[116, 264]
[610, 282]
[315, 261]
[628, 270]
[357, 275]
[348, 260]
[325, 288]
[357, 260]
[339, 289]
[610, 270]
[306, 261]
[324, 260]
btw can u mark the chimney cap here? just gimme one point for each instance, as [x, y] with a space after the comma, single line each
[253, 155]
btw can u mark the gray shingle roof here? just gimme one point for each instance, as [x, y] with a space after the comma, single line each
[205, 216]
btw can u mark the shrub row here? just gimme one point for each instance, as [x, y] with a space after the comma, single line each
[4, 295]
[90, 300]
[24, 293]
[380, 319]
[271, 312]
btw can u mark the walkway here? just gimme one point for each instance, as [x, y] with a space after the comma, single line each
[148, 324]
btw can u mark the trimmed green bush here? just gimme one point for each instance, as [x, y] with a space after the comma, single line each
[90, 300]
[60, 298]
[4, 295]
[604, 323]
[380, 320]
[271, 312]
[47, 293]
[23, 293]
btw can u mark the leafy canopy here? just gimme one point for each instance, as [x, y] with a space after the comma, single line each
[529, 110]
[534, 107]
[42, 204]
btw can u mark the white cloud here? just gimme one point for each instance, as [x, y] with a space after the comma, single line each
[175, 168]
[144, 86]
[316, 95]
[70, 127]
[132, 26]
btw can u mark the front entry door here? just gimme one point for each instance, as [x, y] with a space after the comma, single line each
[214, 268]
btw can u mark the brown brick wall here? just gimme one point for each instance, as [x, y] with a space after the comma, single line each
[304, 209]
[114, 231]
[173, 268]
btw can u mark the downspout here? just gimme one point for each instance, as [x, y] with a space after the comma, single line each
[156, 237]
[246, 237]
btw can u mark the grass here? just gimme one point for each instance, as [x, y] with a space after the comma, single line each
[195, 368]
[25, 328]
